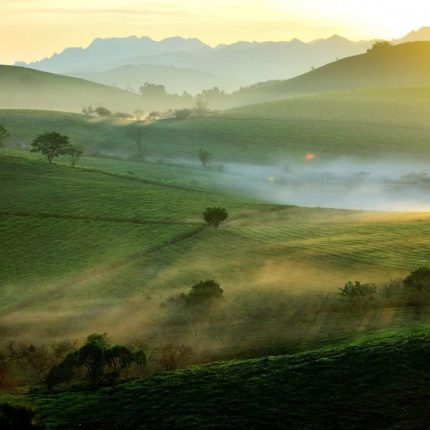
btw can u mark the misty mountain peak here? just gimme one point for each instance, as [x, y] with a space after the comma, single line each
[423, 34]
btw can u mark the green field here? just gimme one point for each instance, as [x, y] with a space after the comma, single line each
[369, 124]
[86, 249]
[115, 244]
[376, 383]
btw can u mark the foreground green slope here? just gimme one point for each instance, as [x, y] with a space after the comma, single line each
[22, 88]
[87, 250]
[379, 384]
[406, 64]
[67, 232]
[376, 123]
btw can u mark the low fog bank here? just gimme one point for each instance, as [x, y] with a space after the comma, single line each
[345, 183]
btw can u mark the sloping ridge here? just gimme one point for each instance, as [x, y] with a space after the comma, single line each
[407, 64]
[23, 88]
[375, 384]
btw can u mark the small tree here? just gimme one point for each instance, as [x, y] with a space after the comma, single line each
[51, 145]
[102, 111]
[357, 289]
[75, 153]
[3, 135]
[204, 157]
[91, 356]
[153, 115]
[215, 216]
[182, 114]
[380, 46]
[205, 291]
[152, 90]
[201, 106]
[101, 362]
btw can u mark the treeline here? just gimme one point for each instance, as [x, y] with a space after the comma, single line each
[203, 325]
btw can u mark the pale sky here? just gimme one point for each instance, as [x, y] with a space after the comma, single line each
[32, 29]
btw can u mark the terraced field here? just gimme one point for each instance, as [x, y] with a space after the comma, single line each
[84, 250]
[369, 124]
[65, 233]
[393, 244]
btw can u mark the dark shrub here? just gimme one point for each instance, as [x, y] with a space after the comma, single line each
[17, 418]
[418, 280]
[102, 111]
[182, 114]
[205, 291]
[357, 289]
[215, 216]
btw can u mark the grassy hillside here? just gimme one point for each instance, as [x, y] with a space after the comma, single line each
[70, 232]
[363, 123]
[82, 242]
[406, 64]
[381, 383]
[22, 88]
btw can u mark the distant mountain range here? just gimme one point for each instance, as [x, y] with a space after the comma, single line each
[406, 64]
[421, 35]
[228, 66]
[190, 65]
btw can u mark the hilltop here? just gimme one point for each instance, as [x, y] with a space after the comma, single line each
[330, 125]
[406, 64]
[22, 88]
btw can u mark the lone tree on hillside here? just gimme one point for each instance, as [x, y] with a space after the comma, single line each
[153, 115]
[201, 106]
[102, 111]
[205, 291]
[100, 362]
[215, 216]
[3, 134]
[380, 45]
[204, 157]
[75, 153]
[51, 145]
[183, 114]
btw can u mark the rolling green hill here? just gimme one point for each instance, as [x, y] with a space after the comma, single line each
[371, 123]
[379, 383]
[406, 64]
[22, 88]
[86, 249]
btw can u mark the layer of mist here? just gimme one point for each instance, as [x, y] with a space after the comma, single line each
[341, 184]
